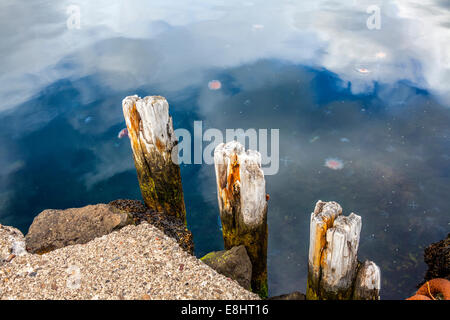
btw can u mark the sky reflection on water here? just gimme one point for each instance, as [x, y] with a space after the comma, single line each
[377, 100]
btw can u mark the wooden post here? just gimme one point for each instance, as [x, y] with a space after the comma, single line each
[241, 192]
[152, 138]
[367, 285]
[332, 262]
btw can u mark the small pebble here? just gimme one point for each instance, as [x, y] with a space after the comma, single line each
[10, 257]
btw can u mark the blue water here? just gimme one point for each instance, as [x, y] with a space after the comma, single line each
[284, 65]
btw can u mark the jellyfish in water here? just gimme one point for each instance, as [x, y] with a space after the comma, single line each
[363, 70]
[257, 26]
[123, 133]
[380, 55]
[334, 163]
[214, 85]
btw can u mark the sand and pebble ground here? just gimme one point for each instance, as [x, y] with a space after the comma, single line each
[135, 262]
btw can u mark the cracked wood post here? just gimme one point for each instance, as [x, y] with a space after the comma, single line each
[152, 138]
[241, 192]
[332, 262]
[367, 285]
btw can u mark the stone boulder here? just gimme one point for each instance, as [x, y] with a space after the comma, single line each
[437, 257]
[53, 229]
[233, 263]
[12, 244]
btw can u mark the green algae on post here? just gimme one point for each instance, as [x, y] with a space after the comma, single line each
[152, 138]
[241, 191]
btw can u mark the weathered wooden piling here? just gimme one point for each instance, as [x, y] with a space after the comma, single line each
[152, 138]
[241, 191]
[332, 262]
[367, 283]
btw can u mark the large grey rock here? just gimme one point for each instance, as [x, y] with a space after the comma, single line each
[233, 263]
[53, 229]
[12, 243]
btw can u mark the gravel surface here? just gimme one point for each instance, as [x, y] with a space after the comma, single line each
[136, 262]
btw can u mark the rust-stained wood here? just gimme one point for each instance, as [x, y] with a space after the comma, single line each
[152, 139]
[241, 193]
[332, 262]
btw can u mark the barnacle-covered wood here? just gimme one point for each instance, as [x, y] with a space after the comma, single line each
[152, 138]
[332, 262]
[241, 192]
[367, 284]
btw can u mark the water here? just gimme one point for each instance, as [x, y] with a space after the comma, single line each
[375, 100]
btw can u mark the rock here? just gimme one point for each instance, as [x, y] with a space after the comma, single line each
[132, 206]
[135, 262]
[296, 295]
[12, 244]
[437, 257]
[169, 224]
[53, 229]
[234, 263]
